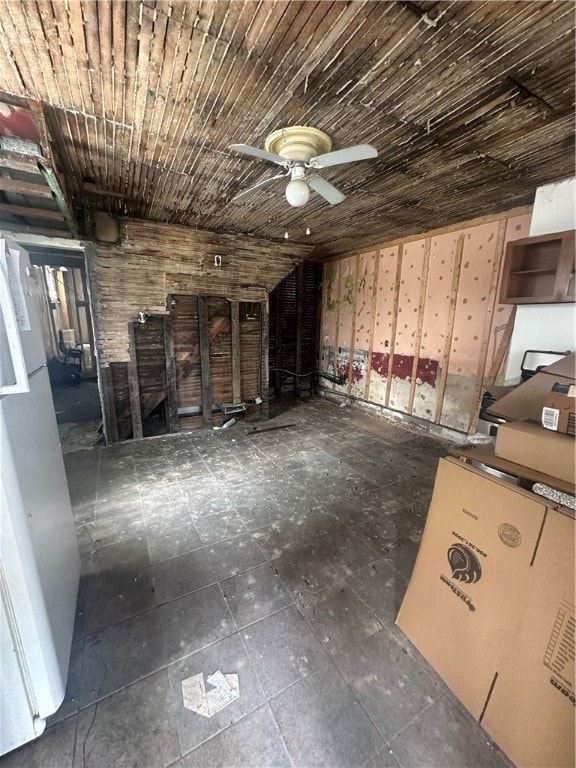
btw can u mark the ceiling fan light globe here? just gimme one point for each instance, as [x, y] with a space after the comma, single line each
[297, 193]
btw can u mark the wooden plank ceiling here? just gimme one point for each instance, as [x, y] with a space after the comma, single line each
[470, 105]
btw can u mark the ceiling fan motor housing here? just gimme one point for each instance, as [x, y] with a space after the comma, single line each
[298, 143]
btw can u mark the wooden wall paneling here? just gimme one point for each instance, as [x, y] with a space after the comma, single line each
[205, 362]
[220, 342]
[488, 317]
[184, 313]
[109, 405]
[250, 361]
[328, 322]
[472, 303]
[352, 352]
[370, 322]
[235, 328]
[299, 328]
[313, 313]
[264, 369]
[388, 282]
[134, 385]
[362, 323]
[339, 269]
[414, 377]
[435, 320]
[278, 311]
[394, 325]
[449, 329]
[171, 412]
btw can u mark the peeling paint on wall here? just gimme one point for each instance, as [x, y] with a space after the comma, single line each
[330, 277]
[359, 370]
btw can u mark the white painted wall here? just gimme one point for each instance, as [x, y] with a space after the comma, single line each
[546, 326]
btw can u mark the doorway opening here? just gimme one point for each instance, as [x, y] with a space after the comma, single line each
[68, 338]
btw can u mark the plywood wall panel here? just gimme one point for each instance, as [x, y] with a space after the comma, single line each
[363, 327]
[329, 318]
[436, 321]
[406, 324]
[434, 324]
[384, 322]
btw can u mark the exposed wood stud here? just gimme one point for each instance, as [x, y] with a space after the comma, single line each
[337, 278]
[394, 324]
[205, 362]
[109, 405]
[30, 213]
[373, 316]
[418, 336]
[353, 333]
[134, 387]
[491, 301]
[235, 331]
[502, 350]
[441, 385]
[24, 188]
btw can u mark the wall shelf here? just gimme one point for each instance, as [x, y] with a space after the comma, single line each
[539, 270]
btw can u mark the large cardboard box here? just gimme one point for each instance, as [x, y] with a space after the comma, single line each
[468, 597]
[525, 403]
[533, 446]
[559, 411]
[530, 713]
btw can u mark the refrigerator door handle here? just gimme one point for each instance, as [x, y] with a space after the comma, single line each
[21, 383]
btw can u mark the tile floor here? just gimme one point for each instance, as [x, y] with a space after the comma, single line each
[281, 557]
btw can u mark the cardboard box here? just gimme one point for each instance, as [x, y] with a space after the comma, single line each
[533, 446]
[472, 576]
[530, 713]
[525, 403]
[480, 579]
[559, 411]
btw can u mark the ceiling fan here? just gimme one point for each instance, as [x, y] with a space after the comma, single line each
[301, 151]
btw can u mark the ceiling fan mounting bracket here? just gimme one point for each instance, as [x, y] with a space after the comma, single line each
[298, 143]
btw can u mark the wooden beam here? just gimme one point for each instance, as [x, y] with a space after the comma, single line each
[418, 337]
[235, 343]
[353, 333]
[172, 423]
[93, 189]
[299, 316]
[15, 161]
[134, 386]
[205, 362]
[502, 349]
[264, 370]
[478, 389]
[449, 329]
[30, 213]
[394, 323]
[337, 329]
[52, 182]
[25, 188]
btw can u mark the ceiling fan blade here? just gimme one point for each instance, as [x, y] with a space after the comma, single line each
[261, 154]
[348, 155]
[327, 190]
[247, 192]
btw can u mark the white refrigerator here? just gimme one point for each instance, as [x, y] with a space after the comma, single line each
[39, 558]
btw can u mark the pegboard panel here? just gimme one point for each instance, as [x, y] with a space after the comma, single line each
[435, 322]
[384, 323]
[476, 272]
[406, 324]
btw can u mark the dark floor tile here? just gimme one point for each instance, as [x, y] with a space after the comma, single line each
[306, 570]
[255, 594]
[338, 617]
[280, 537]
[71, 702]
[54, 749]
[106, 529]
[195, 621]
[134, 728]
[282, 649]
[322, 723]
[125, 557]
[165, 508]
[229, 657]
[252, 742]
[219, 527]
[382, 759]
[257, 512]
[381, 588]
[443, 735]
[344, 550]
[234, 556]
[391, 686]
[172, 541]
[121, 654]
[180, 575]
[403, 557]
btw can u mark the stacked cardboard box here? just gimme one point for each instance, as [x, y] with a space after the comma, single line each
[490, 603]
